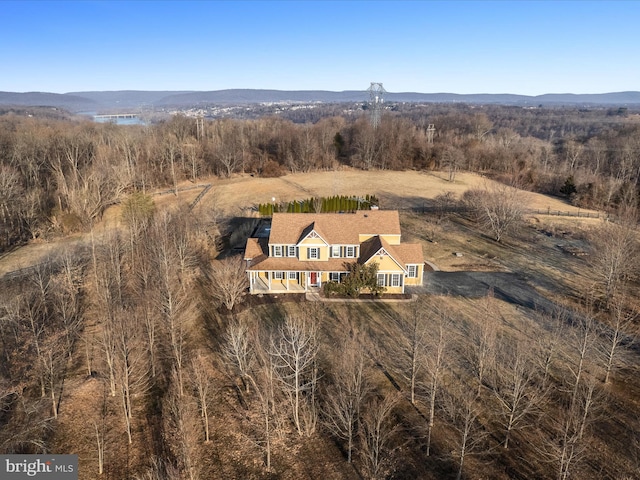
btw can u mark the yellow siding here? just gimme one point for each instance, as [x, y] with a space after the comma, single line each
[386, 264]
[312, 241]
[324, 254]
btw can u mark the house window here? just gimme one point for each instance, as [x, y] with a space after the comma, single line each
[278, 275]
[277, 250]
[395, 280]
[412, 271]
[292, 275]
[335, 251]
[313, 253]
[334, 276]
[381, 279]
[291, 251]
[351, 252]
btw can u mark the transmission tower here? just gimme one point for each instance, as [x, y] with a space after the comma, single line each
[376, 93]
[431, 130]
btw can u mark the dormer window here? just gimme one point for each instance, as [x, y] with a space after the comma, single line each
[350, 252]
[291, 251]
[335, 251]
[313, 253]
[277, 250]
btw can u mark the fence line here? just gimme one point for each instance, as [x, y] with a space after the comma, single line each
[527, 211]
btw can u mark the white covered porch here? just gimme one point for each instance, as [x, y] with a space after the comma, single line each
[283, 282]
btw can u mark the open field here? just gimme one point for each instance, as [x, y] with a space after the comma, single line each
[236, 196]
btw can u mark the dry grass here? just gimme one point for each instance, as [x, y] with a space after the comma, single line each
[233, 197]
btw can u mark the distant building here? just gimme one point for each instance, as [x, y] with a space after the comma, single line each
[302, 251]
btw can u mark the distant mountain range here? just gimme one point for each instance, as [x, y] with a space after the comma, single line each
[119, 101]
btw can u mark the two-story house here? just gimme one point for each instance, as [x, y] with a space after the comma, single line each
[305, 250]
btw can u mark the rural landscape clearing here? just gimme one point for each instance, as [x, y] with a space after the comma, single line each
[227, 253]
[497, 367]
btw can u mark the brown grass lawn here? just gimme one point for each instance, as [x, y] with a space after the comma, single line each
[234, 196]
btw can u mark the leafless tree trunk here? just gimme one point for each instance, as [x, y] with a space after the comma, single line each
[567, 445]
[130, 365]
[180, 415]
[239, 351]
[202, 383]
[515, 388]
[294, 353]
[464, 412]
[484, 337]
[415, 334]
[434, 363]
[263, 381]
[548, 342]
[346, 395]
[617, 333]
[376, 434]
[100, 447]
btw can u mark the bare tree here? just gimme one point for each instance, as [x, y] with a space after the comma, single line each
[567, 446]
[483, 337]
[549, 341]
[346, 395]
[452, 158]
[130, 365]
[377, 432]
[238, 350]
[463, 410]
[202, 383]
[582, 347]
[434, 365]
[181, 427]
[617, 333]
[414, 338]
[615, 255]
[228, 281]
[294, 352]
[263, 380]
[516, 388]
[500, 209]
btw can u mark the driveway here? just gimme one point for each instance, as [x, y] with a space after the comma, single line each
[506, 286]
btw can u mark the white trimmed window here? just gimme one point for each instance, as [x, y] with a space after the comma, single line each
[395, 280]
[278, 275]
[313, 253]
[292, 275]
[412, 271]
[334, 276]
[350, 252]
[291, 251]
[277, 250]
[335, 251]
[381, 279]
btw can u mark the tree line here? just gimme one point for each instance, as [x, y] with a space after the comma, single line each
[59, 175]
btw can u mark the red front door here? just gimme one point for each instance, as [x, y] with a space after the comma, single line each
[314, 278]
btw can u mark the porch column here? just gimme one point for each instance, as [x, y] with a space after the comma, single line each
[251, 282]
[269, 278]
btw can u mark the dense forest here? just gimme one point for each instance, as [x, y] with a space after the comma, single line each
[140, 352]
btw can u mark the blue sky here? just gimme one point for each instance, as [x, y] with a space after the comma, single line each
[476, 46]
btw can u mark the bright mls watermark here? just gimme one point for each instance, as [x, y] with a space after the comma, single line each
[51, 467]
